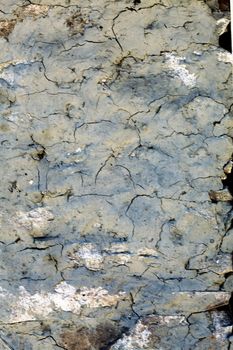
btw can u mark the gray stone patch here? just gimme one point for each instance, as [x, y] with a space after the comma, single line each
[116, 176]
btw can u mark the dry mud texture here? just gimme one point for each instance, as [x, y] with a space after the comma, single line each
[116, 123]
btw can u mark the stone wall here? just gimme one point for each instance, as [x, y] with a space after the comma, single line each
[116, 141]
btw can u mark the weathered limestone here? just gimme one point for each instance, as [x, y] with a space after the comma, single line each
[116, 140]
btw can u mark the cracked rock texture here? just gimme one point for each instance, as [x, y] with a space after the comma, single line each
[115, 126]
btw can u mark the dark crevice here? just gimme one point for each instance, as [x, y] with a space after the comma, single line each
[226, 193]
[45, 238]
[220, 6]
[230, 308]
[124, 330]
[228, 222]
[13, 186]
[228, 274]
[227, 320]
[39, 155]
[228, 180]
[225, 39]
[224, 5]
[221, 9]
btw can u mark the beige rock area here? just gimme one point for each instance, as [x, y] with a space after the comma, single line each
[116, 175]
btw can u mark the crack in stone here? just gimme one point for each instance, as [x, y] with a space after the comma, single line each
[112, 121]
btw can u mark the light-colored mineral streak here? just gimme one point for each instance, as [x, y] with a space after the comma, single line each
[139, 338]
[221, 331]
[28, 307]
[226, 57]
[179, 70]
[87, 255]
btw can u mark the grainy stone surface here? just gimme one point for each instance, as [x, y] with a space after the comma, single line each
[115, 135]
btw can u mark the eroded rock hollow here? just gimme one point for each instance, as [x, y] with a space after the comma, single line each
[116, 186]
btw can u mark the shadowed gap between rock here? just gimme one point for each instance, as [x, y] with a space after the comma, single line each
[225, 39]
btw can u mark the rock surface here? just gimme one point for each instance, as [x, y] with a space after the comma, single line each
[116, 140]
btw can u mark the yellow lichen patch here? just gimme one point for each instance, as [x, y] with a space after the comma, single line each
[6, 27]
[77, 22]
[32, 11]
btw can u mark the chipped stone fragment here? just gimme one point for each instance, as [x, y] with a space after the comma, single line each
[87, 255]
[222, 25]
[228, 167]
[35, 221]
[220, 196]
[225, 57]
[191, 302]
